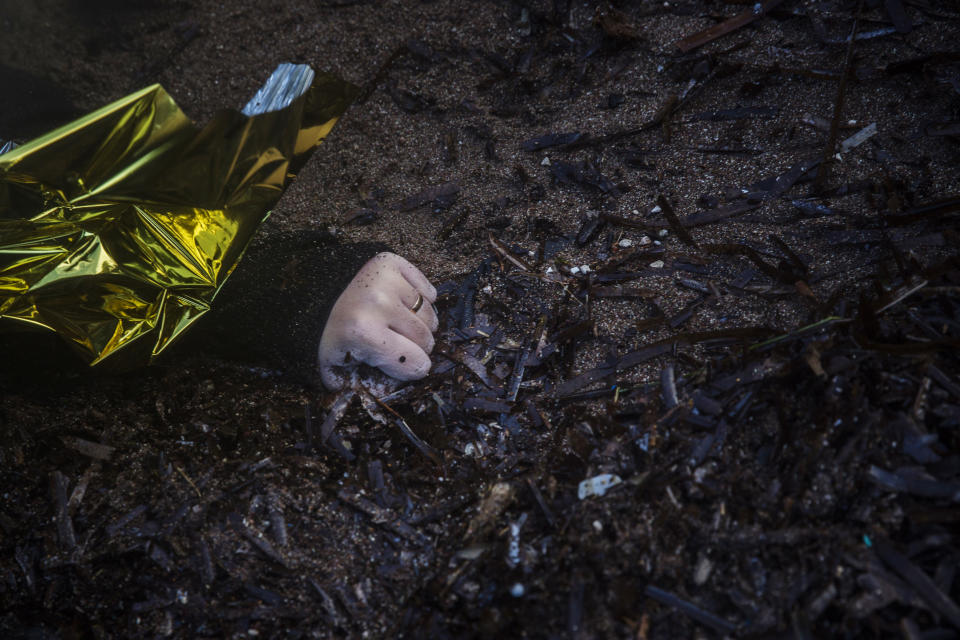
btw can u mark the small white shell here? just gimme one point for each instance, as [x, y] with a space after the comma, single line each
[597, 485]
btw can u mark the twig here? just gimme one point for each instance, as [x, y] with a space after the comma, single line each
[189, 481]
[821, 179]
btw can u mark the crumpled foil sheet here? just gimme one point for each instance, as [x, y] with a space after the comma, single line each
[118, 230]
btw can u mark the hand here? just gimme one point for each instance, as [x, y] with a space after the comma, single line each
[373, 322]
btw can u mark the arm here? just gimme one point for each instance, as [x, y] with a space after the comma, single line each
[292, 288]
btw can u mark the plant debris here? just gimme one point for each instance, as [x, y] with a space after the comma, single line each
[698, 365]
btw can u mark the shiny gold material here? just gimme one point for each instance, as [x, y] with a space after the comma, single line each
[419, 303]
[117, 230]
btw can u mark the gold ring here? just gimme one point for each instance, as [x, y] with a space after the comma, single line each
[416, 305]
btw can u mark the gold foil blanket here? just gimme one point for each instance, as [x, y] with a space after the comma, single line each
[117, 230]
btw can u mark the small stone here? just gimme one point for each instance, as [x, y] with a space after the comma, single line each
[663, 233]
[517, 590]
[626, 242]
[645, 240]
[702, 571]
[545, 162]
[598, 526]
[584, 268]
[656, 209]
[656, 264]
[574, 271]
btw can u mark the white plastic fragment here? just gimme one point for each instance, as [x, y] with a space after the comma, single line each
[517, 590]
[545, 162]
[626, 242]
[597, 485]
[584, 268]
[859, 137]
[663, 233]
[287, 83]
[645, 240]
[656, 264]
[471, 553]
[656, 209]
[575, 270]
[513, 548]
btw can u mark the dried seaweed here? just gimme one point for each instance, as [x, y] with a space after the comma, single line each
[582, 173]
[697, 613]
[728, 26]
[381, 516]
[781, 382]
[675, 223]
[926, 587]
[439, 197]
[549, 140]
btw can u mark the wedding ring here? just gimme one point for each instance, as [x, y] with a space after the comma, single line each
[416, 305]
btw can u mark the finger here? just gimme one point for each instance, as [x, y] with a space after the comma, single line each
[331, 380]
[416, 279]
[409, 295]
[401, 359]
[412, 327]
[331, 376]
[429, 316]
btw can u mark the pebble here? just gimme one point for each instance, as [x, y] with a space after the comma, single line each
[657, 264]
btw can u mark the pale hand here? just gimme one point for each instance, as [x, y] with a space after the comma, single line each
[373, 322]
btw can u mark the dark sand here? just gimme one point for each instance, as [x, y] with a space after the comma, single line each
[177, 533]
